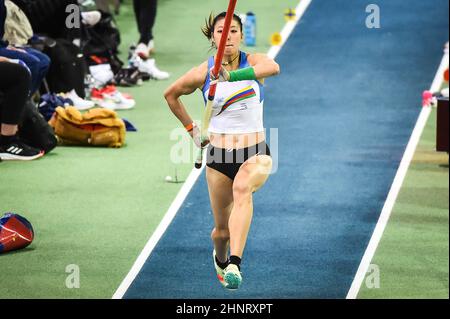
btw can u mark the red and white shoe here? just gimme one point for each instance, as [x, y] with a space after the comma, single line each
[110, 98]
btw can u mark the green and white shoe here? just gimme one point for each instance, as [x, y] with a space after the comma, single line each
[232, 277]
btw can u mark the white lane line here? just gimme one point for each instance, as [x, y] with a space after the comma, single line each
[396, 185]
[289, 27]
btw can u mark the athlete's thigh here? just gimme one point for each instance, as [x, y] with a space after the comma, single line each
[254, 172]
[220, 189]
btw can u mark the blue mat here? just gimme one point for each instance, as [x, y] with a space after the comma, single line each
[344, 106]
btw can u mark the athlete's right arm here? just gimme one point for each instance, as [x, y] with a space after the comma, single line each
[185, 85]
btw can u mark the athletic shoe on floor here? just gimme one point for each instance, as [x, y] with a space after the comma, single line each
[78, 102]
[19, 151]
[110, 98]
[128, 77]
[232, 277]
[219, 271]
[101, 73]
[124, 101]
[149, 67]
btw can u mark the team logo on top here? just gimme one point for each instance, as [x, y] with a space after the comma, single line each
[239, 96]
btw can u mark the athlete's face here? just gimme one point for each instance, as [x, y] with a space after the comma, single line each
[234, 36]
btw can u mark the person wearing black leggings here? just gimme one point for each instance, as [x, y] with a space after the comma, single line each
[145, 12]
[15, 81]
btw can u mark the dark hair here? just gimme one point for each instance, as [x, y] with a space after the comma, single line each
[210, 23]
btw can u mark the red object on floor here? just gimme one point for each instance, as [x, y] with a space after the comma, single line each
[16, 232]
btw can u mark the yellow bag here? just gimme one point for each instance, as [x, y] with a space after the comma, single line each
[97, 127]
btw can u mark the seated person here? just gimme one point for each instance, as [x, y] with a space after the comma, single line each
[14, 89]
[48, 17]
[37, 62]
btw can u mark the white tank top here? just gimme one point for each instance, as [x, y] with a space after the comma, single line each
[237, 106]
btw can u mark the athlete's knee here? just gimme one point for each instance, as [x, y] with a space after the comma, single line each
[241, 189]
[218, 233]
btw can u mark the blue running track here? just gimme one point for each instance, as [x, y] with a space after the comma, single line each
[345, 106]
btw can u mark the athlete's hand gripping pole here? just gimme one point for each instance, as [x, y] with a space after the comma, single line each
[212, 89]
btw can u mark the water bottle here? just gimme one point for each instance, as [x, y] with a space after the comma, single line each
[250, 29]
[132, 55]
[88, 85]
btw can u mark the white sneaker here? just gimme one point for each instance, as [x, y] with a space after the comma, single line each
[117, 101]
[149, 67]
[90, 18]
[78, 102]
[106, 103]
[101, 73]
[77, 42]
[142, 51]
[122, 103]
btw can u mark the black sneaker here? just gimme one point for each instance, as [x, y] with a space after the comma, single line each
[19, 151]
[127, 77]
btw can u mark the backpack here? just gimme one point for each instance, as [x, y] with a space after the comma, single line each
[68, 68]
[102, 41]
[18, 29]
[97, 127]
[35, 131]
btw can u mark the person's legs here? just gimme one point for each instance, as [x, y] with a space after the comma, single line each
[42, 69]
[145, 11]
[221, 197]
[251, 176]
[14, 86]
[8, 129]
[31, 61]
[137, 10]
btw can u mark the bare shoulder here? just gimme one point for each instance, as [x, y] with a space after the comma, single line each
[198, 73]
[202, 69]
[254, 58]
[195, 77]
[188, 82]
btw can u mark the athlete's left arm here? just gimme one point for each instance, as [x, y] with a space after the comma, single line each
[263, 66]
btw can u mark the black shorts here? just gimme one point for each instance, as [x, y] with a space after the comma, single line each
[228, 161]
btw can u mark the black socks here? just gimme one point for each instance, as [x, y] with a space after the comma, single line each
[6, 140]
[221, 264]
[235, 260]
[232, 260]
